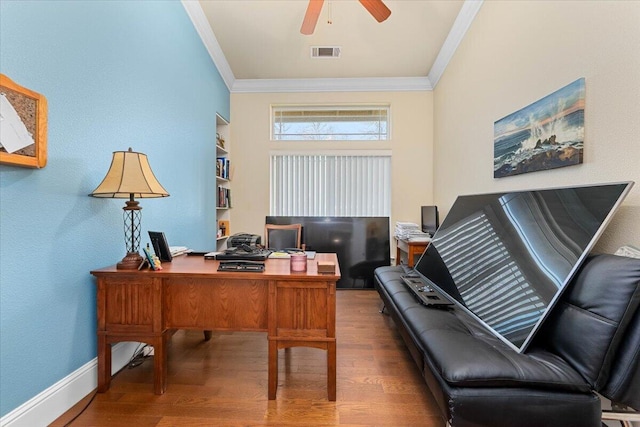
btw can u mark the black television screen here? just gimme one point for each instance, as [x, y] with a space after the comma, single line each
[429, 219]
[361, 243]
[505, 258]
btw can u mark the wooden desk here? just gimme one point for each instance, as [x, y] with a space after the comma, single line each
[294, 309]
[411, 249]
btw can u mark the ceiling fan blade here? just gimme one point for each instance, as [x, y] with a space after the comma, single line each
[376, 8]
[311, 17]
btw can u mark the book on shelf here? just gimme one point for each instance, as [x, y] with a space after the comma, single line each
[223, 228]
[224, 197]
[222, 167]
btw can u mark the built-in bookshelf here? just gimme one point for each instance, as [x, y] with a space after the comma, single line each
[223, 182]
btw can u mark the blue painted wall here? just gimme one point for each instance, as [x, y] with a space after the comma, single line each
[116, 74]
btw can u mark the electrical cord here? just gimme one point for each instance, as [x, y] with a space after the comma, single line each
[83, 409]
[137, 358]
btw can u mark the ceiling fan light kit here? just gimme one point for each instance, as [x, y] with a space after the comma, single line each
[376, 8]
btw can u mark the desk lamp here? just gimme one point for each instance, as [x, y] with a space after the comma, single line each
[130, 177]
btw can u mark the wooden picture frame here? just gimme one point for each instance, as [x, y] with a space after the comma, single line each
[31, 108]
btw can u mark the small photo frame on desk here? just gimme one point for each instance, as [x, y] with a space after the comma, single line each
[144, 263]
[160, 246]
[148, 259]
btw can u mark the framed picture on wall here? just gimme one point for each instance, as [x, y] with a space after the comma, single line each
[547, 134]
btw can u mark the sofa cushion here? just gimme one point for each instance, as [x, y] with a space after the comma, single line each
[464, 354]
[623, 385]
[587, 325]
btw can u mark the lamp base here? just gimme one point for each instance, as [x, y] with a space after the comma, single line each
[130, 262]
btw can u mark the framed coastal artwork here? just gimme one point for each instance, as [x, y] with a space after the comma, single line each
[547, 134]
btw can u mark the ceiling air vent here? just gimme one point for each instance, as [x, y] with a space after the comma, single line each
[325, 51]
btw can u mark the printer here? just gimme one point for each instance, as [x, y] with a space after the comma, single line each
[243, 239]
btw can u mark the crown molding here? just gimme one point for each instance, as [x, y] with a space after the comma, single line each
[459, 29]
[200, 22]
[369, 84]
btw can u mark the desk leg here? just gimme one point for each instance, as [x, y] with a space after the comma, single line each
[331, 371]
[273, 369]
[160, 364]
[104, 364]
[411, 255]
[398, 254]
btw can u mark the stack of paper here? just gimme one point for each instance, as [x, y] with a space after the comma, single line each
[178, 250]
[411, 232]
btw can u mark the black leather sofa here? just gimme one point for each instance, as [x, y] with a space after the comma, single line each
[589, 345]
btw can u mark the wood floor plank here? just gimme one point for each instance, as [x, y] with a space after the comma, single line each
[224, 381]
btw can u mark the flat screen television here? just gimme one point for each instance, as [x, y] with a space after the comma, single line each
[505, 258]
[361, 243]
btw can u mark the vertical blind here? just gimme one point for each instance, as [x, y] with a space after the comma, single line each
[330, 185]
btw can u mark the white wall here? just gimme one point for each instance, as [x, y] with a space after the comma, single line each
[411, 144]
[518, 52]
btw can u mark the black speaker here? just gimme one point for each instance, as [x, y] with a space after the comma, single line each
[430, 220]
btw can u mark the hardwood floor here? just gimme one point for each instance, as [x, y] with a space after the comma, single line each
[224, 381]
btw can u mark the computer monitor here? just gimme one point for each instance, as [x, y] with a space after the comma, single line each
[430, 220]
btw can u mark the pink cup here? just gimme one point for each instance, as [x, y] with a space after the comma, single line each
[298, 262]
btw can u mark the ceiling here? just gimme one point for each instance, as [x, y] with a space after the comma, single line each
[260, 40]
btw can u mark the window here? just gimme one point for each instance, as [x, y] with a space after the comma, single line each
[355, 123]
[331, 185]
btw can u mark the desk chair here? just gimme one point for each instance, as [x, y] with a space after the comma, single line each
[282, 236]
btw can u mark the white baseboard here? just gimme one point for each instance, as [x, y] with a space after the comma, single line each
[47, 406]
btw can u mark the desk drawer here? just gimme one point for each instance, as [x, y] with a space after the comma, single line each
[216, 304]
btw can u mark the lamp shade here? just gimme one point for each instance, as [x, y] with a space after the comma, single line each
[129, 176]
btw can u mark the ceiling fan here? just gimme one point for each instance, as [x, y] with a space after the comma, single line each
[375, 7]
